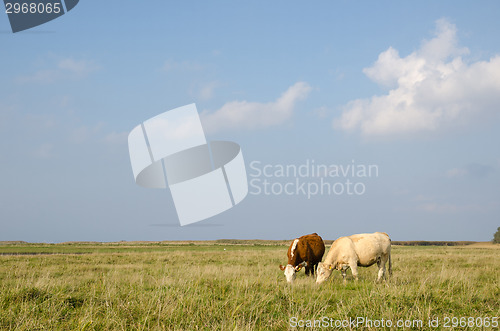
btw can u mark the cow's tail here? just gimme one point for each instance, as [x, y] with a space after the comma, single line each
[390, 264]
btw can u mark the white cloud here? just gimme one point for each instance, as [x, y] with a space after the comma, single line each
[475, 170]
[62, 69]
[441, 205]
[78, 67]
[116, 138]
[207, 91]
[321, 112]
[443, 208]
[85, 133]
[456, 172]
[41, 76]
[453, 208]
[255, 115]
[171, 65]
[430, 89]
[44, 151]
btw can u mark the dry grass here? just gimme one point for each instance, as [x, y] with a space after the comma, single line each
[230, 287]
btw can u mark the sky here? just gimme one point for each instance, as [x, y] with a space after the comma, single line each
[411, 89]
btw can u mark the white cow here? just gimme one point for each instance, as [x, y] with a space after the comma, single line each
[357, 250]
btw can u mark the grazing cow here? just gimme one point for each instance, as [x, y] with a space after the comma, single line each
[306, 251]
[357, 250]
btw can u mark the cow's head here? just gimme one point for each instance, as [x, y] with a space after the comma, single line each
[323, 273]
[290, 271]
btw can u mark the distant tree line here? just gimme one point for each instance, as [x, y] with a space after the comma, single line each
[329, 242]
[496, 236]
[432, 243]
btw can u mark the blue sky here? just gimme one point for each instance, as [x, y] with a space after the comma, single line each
[412, 88]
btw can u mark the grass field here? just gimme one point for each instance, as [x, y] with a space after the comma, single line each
[213, 286]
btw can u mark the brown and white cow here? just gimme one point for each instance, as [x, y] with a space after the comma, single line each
[306, 251]
[357, 250]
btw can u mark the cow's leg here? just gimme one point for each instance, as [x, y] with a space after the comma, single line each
[344, 275]
[307, 270]
[311, 270]
[381, 269]
[354, 269]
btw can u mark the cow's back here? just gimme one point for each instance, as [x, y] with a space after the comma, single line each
[316, 247]
[310, 248]
[371, 246]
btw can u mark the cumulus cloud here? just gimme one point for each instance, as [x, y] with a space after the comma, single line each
[321, 112]
[116, 138]
[172, 65]
[62, 69]
[447, 208]
[207, 91]
[430, 89]
[475, 170]
[438, 205]
[457, 208]
[78, 67]
[255, 115]
[456, 172]
[44, 151]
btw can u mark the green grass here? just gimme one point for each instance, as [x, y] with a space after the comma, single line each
[204, 287]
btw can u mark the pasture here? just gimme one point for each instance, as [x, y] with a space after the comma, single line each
[220, 286]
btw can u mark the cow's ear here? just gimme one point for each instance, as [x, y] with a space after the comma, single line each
[282, 267]
[303, 264]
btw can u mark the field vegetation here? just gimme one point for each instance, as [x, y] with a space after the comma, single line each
[224, 285]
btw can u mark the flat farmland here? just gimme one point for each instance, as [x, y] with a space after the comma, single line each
[225, 286]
